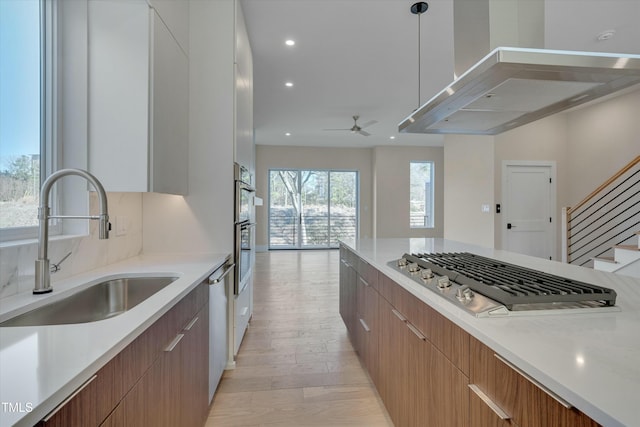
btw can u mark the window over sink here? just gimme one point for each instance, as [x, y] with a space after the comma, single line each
[27, 62]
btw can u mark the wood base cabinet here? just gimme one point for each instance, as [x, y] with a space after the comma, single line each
[429, 371]
[502, 396]
[418, 379]
[160, 379]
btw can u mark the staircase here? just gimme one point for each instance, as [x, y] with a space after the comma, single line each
[625, 260]
[601, 230]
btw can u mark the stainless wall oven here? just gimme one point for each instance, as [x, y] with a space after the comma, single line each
[244, 227]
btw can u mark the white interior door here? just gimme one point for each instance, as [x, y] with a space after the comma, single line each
[528, 209]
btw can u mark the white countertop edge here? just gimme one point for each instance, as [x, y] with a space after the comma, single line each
[192, 268]
[467, 321]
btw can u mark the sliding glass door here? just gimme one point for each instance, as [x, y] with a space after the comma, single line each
[312, 208]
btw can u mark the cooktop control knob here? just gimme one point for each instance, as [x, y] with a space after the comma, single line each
[464, 293]
[426, 274]
[402, 262]
[413, 267]
[443, 282]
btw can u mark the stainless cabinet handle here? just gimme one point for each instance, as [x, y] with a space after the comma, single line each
[68, 399]
[534, 382]
[416, 332]
[214, 280]
[174, 343]
[398, 315]
[364, 325]
[490, 403]
[364, 282]
[190, 325]
[346, 263]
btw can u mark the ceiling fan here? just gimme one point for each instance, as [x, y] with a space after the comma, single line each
[357, 128]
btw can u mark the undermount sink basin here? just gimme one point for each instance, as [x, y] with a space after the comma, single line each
[98, 302]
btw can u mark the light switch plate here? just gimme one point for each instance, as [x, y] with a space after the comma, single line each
[486, 208]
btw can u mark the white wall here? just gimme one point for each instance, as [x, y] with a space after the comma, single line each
[601, 140]
[588, 146]
[468, 184]
[391, 165]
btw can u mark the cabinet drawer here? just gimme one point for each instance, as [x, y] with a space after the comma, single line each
[526, 403]
[368, 273]
[450, 339]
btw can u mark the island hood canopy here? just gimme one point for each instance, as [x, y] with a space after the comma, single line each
[510, 87]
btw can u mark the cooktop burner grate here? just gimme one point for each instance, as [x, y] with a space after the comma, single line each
[509, 284]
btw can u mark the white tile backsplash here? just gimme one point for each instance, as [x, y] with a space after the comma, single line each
[87, 252]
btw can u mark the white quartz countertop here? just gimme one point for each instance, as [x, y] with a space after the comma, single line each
[590, 360]
[41, 365]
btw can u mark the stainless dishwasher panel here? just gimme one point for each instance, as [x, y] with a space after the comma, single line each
[219, 288]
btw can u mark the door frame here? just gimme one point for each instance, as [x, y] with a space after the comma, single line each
[552, 195]
[298, 245]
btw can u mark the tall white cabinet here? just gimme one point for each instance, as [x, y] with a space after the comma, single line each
[243, 72]
[243, 151]
[139, 95]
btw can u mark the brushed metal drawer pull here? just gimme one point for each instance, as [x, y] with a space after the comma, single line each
[398, 315]
[68, 399]
[416, 332]
[345, 263]
[174, 343]
[534, 382]
[190, 325]
[490, 403]
[364, 325]
[364, 282]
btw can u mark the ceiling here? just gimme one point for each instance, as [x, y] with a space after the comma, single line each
[360, 57]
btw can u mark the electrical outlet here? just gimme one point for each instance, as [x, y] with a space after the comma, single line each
[122, 225]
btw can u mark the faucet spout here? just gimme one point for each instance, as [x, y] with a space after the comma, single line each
[42, 272]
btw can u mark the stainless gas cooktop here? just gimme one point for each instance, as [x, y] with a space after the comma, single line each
[487, 287]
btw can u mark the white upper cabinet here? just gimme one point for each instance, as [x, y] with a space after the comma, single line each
[138, 97]
[243, 61]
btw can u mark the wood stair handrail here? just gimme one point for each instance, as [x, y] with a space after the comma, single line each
[605, 184]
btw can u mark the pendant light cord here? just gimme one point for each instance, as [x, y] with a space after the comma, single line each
[418, 9]
[419, 59]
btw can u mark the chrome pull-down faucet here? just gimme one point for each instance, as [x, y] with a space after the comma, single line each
[42, 272]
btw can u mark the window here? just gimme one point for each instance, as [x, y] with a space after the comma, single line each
[312, 208]
[421, 195]
[25, 72]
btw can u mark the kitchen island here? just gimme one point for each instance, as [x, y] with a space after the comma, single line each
[588, 360]
[40, 366]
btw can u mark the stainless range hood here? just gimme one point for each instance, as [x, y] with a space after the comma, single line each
[513, 86]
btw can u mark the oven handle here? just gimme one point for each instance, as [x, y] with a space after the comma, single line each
[228, 267]
[245, 186]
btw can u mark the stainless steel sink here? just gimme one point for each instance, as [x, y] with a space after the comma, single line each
[98, 302]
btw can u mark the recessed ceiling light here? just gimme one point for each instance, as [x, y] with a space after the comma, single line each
[606, 35]
[288, 84]
[290, 42]
[392, 137]
[288, 134]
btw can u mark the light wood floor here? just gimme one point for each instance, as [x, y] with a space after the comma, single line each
[296, 366]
